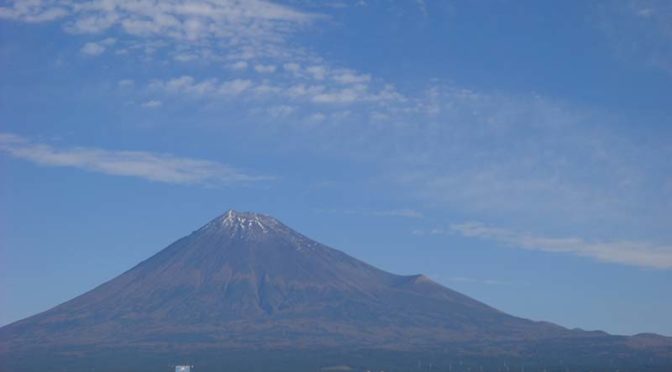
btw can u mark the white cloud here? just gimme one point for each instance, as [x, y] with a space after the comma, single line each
[151, 104]
[645, 12]
[404, 212]
[317, 72]
[317, 117]
[244, 35]
[147, 165]
[240, 65]
[465, 279]
[108, 41]
[351, 77]
[341, 95]
[407, 213]
[265, 69]
[284, 91]
[292, 67]
[623, 252]
[280, 111]
[92, 49]
[209, 87]
[185, 57]
[235, 86]
[97, 48]
[422, 6]
[33, 11]
[124, 83]
[186, 84]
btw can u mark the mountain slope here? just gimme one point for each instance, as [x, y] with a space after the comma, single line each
[246, 281]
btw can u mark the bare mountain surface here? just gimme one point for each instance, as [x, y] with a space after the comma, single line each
[245, 281]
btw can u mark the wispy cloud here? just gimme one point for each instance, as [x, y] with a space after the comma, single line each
[488, 153]
[525, 157]
[622, 252]
[250, 29]
[92, 49]
[250, 39]
[402, 212]
[147, 165]
[639, 30]
[97, 48]
[332, 87]
[34, 11]
[407, 213]
[464, 279]
[265, 69]
[479, 152]
[152, 104]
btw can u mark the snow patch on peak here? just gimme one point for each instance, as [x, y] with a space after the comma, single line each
[256, 226]
[244, 220]
[244, 223]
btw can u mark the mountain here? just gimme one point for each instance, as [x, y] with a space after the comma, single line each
[246, 288]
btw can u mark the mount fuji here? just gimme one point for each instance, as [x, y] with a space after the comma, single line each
[246, 292]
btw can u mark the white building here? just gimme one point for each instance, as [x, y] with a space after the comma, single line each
[183, 368]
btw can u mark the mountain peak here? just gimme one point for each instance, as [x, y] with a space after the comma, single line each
[233, 217]
[235, 223]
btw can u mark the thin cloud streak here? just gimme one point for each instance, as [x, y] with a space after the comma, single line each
[402, 213]
[332, 89]
[464, 279]
[639, 30]
[407, 213]
[632, 253]
[147, 165]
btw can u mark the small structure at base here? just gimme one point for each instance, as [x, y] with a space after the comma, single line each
[183, 368]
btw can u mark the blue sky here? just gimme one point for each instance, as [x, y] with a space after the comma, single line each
[517, 151]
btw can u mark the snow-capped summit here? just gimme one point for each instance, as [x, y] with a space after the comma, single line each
[246, 223]
[255, 227]
[245, 220]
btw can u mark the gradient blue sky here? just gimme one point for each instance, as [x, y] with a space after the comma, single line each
[517, 151]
